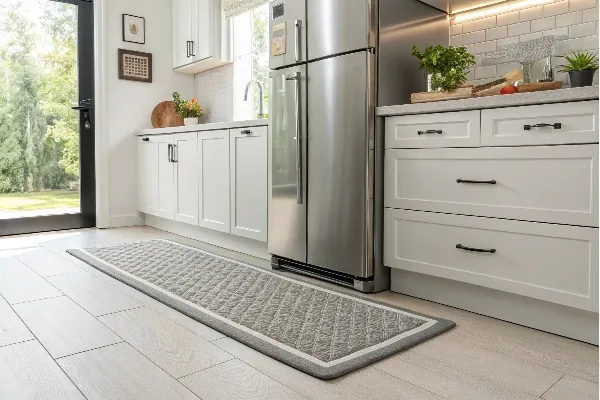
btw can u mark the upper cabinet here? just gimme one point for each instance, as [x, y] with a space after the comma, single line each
[201, 38]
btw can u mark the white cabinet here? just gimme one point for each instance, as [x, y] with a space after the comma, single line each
[213, 168]
[533, 183]
[561, 123]
[248, 159]
[212, 179]
[555, 263]
[453, 129]
[185, 164]
[201, 38]
[182, 32]
[156, 180]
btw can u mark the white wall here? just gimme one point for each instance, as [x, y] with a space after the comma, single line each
[129, 103]
[577, 19]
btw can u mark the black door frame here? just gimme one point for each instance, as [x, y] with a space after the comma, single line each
[86, 218]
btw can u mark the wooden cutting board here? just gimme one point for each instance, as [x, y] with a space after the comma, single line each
[164, 116]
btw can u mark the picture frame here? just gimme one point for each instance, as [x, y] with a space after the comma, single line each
[135, 66]
[134, 29]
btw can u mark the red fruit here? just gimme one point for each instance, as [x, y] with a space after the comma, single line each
[509, 90]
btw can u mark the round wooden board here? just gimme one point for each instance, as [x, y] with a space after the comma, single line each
[163, 115]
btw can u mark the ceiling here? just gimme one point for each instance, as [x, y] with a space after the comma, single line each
[454, 6]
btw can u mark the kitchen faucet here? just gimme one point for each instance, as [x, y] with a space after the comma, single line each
[260, 97]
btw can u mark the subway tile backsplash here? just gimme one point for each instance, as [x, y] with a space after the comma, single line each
[577, 19]
[214, 91]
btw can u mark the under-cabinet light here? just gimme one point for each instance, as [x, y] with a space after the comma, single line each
[495, 10]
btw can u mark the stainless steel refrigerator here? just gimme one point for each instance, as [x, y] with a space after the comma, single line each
[325, 159]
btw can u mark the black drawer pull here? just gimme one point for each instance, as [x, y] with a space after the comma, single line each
[461, 247]
[246, 132]
[492, 182]
[439, 132]
[558, 125]
[145, 139]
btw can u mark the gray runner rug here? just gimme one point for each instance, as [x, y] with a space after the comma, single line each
[321, 332]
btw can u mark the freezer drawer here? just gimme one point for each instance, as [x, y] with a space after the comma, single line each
[287, 164]
[287, 33]
[338, 126]
[338, 26]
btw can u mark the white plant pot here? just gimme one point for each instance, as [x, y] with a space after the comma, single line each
[190, 121]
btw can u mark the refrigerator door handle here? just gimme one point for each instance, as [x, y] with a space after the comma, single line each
[298, 24]
[299, 197]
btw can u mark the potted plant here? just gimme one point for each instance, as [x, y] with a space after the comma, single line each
[447, 65]
[582, 67]
[190, 110]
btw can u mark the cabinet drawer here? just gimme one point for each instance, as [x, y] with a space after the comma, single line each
[454, 129]
[549, 262]
[547, 183]
[516, 126]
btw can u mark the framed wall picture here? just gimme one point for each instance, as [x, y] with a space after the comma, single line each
[134, 29]
[135, 65]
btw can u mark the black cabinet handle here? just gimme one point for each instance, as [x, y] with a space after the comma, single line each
[192, 49]
[169, 152]
[145, 139]
[461, 247]
[174, 153]
[187, 44]
[438, 131]
[492, 182]
[558, 125]
[246, 132]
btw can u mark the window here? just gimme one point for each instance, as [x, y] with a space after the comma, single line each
[251, 52]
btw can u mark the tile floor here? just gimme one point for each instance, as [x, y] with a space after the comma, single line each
[67, 331]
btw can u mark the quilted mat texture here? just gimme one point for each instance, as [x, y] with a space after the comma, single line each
[327, 333]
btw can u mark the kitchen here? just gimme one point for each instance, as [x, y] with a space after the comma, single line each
[327, 171]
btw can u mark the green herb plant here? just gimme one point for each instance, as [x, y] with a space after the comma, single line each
[448, 65]
[185, 108]
[580, 61]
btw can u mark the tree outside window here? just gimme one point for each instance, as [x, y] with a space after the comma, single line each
[251, 50]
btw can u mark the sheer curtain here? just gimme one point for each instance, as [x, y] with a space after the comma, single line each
[233, 8]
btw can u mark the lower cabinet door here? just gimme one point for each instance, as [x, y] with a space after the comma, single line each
[248, 161]
[213, 178]
[147, 153]
[156, 176]
[185, 160]
[166, 179]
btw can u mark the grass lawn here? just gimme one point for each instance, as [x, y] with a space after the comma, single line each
[39, 200]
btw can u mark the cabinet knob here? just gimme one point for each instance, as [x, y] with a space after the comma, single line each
[246, 132]
[145, 139]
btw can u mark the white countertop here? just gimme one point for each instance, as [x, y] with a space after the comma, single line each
[507, 100]
[204, 127]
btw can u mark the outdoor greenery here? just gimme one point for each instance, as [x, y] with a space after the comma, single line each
[39, 200]
[580, 61]
[447, 65]
[260, 53]
[39, 142]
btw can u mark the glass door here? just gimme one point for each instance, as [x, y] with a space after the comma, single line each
[47, 179]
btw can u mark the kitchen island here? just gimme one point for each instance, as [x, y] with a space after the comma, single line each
[207, 182]
[491, 205]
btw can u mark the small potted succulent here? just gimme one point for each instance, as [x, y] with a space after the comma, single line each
[447, 65]
[582, 67]
[190, 110]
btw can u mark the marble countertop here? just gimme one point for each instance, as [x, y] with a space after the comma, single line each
[509, 100]
[204, 127]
